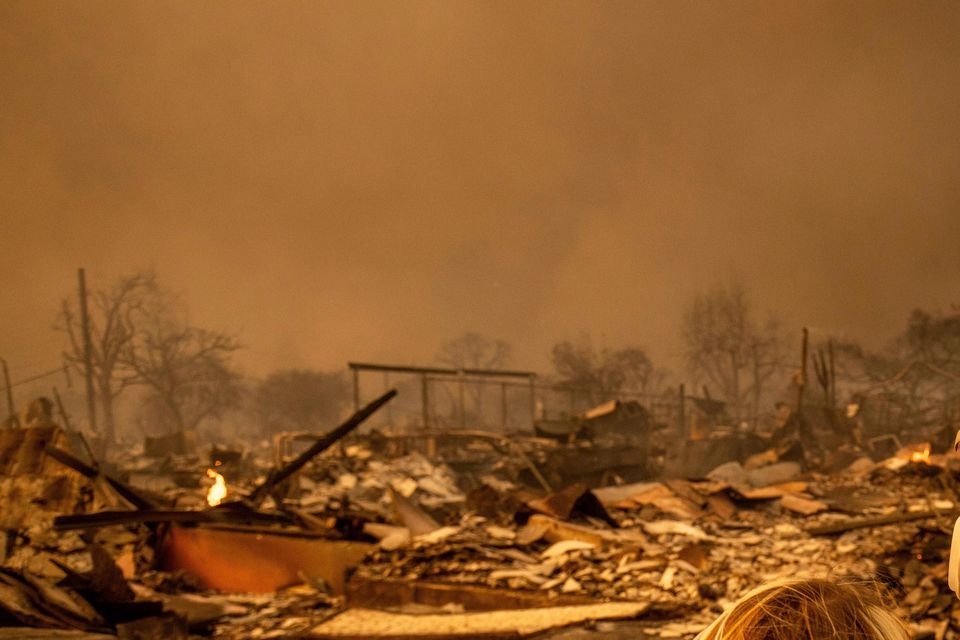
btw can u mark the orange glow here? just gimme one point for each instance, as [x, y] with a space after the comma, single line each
[921, 456]
[218, 491]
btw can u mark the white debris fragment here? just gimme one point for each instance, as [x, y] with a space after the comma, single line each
[662, 527]
[347, 481]
[438, 535]
[501, 533]
[571, 586]
[666, 580]
[566, 546]
[404, 486]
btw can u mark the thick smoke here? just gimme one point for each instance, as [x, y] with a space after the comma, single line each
[367, 180]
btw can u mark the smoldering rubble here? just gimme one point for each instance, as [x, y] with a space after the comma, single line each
[456, 533]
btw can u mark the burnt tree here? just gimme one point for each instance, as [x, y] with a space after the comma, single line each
[114, 312]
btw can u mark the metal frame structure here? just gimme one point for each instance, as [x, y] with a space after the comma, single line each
[502, 377]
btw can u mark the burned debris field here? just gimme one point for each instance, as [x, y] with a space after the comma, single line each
[620, 520]
[468, 319]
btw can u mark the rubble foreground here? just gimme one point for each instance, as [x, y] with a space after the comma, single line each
[358, 536]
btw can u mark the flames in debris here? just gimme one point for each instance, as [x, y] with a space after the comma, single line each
[921, 456]
[218, 491]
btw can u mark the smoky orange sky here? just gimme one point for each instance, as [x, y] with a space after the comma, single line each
[366, 180]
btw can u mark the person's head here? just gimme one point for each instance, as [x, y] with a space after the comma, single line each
[809, 609]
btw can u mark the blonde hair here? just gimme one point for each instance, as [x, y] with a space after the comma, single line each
[809, 609]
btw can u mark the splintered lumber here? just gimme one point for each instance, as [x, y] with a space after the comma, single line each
[861, 523]
[518, 623]
[325, 442]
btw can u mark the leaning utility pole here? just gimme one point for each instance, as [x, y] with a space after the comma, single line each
[87, 351]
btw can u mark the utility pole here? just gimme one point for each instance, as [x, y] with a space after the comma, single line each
[463, 408]
[425, 400]
[833, 376]
[803, 370]
[533, 404]
[6, 380]
[682, 411]
[503, 406]
[87, 351]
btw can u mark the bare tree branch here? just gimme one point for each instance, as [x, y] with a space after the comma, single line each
[112, 312]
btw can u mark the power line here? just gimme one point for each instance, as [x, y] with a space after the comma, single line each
[61, 369]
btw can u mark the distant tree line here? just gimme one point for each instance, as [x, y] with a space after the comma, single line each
[142, 338]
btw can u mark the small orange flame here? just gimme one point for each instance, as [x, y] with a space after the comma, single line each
[921, 456]
[218, 491]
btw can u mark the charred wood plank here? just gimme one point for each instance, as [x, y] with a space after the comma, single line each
[861, 523]
[109, 518]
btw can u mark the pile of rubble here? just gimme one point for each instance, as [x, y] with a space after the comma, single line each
[348, 542]
[359, 482]
[691, 548]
